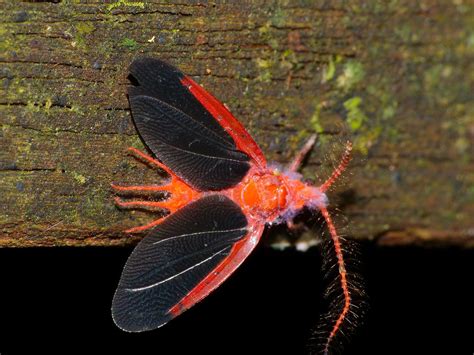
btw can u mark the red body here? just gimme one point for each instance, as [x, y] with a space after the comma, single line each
[265, 195]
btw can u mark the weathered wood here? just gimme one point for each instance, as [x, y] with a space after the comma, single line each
[399, 73]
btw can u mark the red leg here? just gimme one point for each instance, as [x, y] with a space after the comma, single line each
[142, 156]
[179, 193]
[296, 163]
[346, 158]
[151, 205]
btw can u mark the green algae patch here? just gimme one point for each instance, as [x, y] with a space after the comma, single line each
[81, 179]
[355, 116]
[367, 103]
[352, 73]
[124, 3]
[265, 69]
[315, 119]
[83, 30]
[129, 44]
[330, 70]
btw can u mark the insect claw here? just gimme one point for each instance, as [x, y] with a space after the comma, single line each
[118, 201]
[118, 187]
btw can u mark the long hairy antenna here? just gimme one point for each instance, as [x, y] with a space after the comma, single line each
[344, 292]
[346, 158]
[342, 278]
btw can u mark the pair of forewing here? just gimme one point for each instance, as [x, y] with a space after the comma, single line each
[194, 250]
[169, 111]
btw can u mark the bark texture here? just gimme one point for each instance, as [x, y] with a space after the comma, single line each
[396, 77]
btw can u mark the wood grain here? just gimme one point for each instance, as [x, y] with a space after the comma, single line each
[397, 78]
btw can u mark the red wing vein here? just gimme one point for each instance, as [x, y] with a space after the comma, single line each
[176, 275]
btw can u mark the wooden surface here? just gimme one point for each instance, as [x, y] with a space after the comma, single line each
[398, 75]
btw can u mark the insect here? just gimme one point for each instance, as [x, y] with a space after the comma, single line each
[220, 195]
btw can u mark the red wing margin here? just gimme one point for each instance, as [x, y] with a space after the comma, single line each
[180, 131]
[243, 139]
[181, 261]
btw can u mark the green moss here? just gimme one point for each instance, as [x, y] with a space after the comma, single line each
[365, 135]
[445, 74]
[470, 41]
[48, 104]
[289, 60]
[76, 109]
[404, 32]
[125, 3]
[267, 34]
[355, 116]
[279, 17]
[264, 31]
[277, 60]
[24, 148]
[31, 106]
[353, 72]
[367, 138]
[81, 179]
[5, 44]
[129, 43]
[460, 129]
[83, 30]
[6, 41]
[315, 119]
[389, 110]
[330, 71]
[263, 63]
[38, 105]
[264, 66]
[96, 206]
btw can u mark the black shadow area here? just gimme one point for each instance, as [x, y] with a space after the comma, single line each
[58, 301]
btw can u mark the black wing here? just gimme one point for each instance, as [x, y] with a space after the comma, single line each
[173, 259]
[180, 131]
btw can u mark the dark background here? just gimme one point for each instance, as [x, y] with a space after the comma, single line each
[58, 300]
